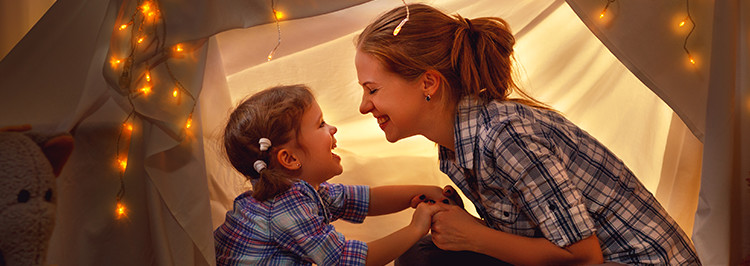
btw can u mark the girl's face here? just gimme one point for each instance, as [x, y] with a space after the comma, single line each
[318, 161]
[396, 103]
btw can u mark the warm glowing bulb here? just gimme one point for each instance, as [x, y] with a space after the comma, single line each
[148, 76]
[140, 40]
[123, 26]
[602, 14]
[114, 62]
[692, 60]
[278, 14]
[146, 90]
[146, 7]
[128, 126]
[174, 93]
[123, 164]
[151, 14]
[682, 23]
[178, 48]
[189, 123]
[120, 210]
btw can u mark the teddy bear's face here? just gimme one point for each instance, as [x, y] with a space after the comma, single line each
[27, 200]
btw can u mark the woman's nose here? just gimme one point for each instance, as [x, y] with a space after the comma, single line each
[366, 105]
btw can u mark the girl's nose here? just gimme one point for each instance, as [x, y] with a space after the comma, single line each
[334, 130]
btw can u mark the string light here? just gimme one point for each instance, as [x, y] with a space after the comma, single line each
[123, 26]
[114, 62]
[120, 210]
[189, 122]
[604, 11]
[692, 28]
[403, 21]
[276, 16]
[178, 48]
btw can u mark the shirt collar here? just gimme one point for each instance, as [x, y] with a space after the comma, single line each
[465, 130]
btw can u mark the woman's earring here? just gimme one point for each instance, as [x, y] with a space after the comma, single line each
[428, 98]
[299, 165]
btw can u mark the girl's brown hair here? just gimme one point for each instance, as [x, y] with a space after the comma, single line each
[474, 56]
[275, 114]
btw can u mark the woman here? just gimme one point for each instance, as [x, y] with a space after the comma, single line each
[546, 191]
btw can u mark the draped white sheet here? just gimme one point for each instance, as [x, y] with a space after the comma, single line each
[180, 192]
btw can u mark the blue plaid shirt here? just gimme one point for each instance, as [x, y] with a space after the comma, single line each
[294, 227]
[533, 173]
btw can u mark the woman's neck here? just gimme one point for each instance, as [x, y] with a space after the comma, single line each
[440, 128]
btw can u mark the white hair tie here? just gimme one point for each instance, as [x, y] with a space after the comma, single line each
[264, 144]
[259, 165]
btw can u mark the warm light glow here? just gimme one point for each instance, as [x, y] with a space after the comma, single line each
[178, 48]
[602, 14]
[682, 23]
[114, 62]
[123, 164]
[128, 126]
[146, 90]
[148, 76]
[146, 7]
[151, 14]
[120, 210]
[189, 122]
[174, 93]
[279, 15]
[140, 40]
[123, 26]
[692, 60]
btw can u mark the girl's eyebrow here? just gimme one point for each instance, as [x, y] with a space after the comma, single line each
[364, 84]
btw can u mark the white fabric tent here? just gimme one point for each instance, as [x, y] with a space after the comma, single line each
[629, 87]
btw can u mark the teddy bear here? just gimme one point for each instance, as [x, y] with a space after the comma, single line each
[29, 165]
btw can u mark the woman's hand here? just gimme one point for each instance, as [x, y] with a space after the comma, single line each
[448, 195]
[454, 229]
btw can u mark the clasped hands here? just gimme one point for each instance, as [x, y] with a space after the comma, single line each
[452, 227]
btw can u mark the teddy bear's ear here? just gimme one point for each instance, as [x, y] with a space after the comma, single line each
[57, 150]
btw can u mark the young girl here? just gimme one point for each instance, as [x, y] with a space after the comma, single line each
[278, 139]
[547, 191]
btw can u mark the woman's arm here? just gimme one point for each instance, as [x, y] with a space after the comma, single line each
[390, 199]
[455, 229]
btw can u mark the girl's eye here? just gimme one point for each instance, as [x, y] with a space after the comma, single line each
[372, 91]
[322, 123]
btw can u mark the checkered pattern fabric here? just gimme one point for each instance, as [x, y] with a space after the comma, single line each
[294, 227]
[531, 172]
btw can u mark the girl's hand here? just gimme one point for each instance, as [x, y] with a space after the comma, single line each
[422, 217]
[454, 229]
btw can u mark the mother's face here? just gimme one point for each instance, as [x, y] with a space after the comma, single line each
[392, 100]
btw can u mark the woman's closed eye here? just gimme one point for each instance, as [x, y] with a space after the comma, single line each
[372, 91]
[322, 123]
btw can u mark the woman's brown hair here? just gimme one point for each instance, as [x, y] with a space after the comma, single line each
[474, 56]
[275, 114]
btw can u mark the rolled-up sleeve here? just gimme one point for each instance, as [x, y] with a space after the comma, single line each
[347, 202]
[542, 187]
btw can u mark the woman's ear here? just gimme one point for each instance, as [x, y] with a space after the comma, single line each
[431, 82]
[288, 159]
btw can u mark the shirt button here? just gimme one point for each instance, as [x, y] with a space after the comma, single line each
[320, 213]
[552, 207]
[506, 214]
